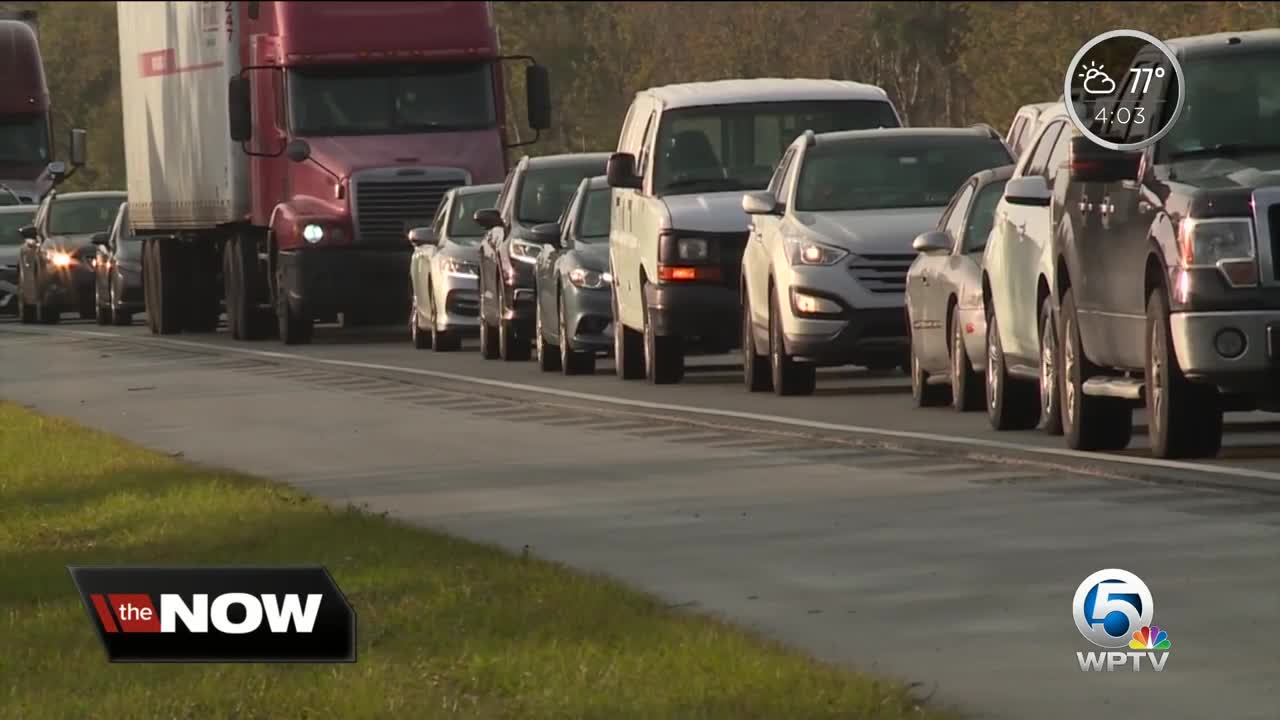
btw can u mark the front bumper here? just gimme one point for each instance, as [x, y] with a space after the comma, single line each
[711, 313]
[870, 325]
[588, 318]
[459, 297]
[332, 280]
[63, 289]
[1254, 371]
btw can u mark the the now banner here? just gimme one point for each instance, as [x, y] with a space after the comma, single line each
[218, 614]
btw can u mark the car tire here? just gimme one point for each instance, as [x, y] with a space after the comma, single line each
[421, 339]
[119, 316]
[967, 391]
[101, 313]
[1184, 419]
[488, 341]
[788, 376]
[511, 346]
[572, 362]
[923, 393]
[628, 347]
[1050, 368]
[296, 328]
[1088, 422]
[446, 340]
[663, 354]
[548, 357]
[1012, 404]
[756, 375]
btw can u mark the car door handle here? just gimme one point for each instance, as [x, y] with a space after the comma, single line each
[1107, 207]
[1085, 206]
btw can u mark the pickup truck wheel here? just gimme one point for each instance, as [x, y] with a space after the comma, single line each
[421, 339]
[1089, 422]
[1184, 419]
[548, 357]
[1050, 368]
[1012, 404]
[166, 293]
[756, 373]
[663, 355]
[967, 392]
[628, 347]
[572, 362]
[789, 376]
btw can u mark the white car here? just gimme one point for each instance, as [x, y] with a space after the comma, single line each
[1023, 128]
[686, 155]
[1020, 284]
[831, 241]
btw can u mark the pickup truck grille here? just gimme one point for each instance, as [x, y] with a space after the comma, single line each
[388, 203]
[882, 273]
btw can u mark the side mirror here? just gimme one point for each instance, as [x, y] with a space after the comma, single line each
[620, 171]
[28, 232]
[487, 218]
[762, 202]
[79, 147]
[239, 117]
[57, 170]
[100, 239]
[537, 85]
[1029, 190]
[422, 236]
[1089, 162]
[546, 234]
[298, 150]
[931, 242]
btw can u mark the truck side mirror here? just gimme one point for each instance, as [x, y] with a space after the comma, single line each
[620, 171]
[239, 119]
[537, 85]
[57, 171]
[79, 147]
[298, 150]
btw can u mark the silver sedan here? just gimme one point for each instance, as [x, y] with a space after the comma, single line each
[944, 297]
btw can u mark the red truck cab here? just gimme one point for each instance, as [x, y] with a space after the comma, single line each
[357, 118]
[26, 147]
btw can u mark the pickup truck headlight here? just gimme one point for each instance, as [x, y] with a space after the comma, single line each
[1227, 244]
[459, 269]
[811, 252]
[589, 279]
[525, 251]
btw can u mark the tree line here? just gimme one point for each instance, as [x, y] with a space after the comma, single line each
[942, 63]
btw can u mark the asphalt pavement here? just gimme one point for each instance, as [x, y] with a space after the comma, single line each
[940, 553]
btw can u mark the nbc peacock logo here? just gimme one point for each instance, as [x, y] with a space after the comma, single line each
[1113, 609]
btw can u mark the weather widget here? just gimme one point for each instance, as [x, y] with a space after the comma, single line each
[1124, 89]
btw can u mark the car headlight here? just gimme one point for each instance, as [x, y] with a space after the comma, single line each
[458, 268]
[1226, 244]
[313, 233]
[811, 252]
[589, 279]
[525, 251]
[59, 258]
[692, 249]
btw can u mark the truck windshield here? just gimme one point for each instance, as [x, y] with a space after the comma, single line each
[735, 147]
[1232, 108]
[545, 191]
[11, 221]
[901, 172]
[463, 228]
[596, 207]
[83, 216]
[389, 99]
[24, 140]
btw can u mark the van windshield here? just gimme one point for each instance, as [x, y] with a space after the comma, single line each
[735, 147]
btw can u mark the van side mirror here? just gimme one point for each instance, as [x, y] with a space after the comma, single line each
[239, 119]
[1090, 162]
[487, 218]
[298, 150]
[537, 85]
[620, 171]
[79, 147]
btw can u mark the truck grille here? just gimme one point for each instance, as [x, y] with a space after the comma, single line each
[388, 203]
[882, 273]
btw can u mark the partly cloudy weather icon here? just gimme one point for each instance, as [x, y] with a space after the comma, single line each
[1096, 82]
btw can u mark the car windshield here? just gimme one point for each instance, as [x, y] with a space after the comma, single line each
[594, 221]
[10, 222]
[382, 99]
[462, 227]
[735, 147]
[1232, 108]
[982, 217]
[546, 191]
[894, 172]
[24, 140]
[83, 216]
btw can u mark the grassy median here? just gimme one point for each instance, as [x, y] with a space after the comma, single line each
[447, 628]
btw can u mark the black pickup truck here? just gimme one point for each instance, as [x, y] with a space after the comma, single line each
[1168, 284]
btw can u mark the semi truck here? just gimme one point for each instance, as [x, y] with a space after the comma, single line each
[26, 140]
[278, 152]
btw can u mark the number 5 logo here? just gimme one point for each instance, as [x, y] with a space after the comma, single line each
[1113, 592]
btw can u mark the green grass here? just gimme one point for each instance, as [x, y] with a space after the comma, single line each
[446, 628]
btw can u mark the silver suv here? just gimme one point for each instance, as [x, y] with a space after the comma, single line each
[824, 272]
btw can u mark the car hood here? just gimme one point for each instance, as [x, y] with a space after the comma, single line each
[883, 232]
[706, 212]
[592, 256]
[465, 253]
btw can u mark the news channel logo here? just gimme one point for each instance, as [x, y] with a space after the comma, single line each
[1113, 609]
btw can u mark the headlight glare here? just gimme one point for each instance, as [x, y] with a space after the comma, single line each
[59, 258]
[811, 252]
[312, 233]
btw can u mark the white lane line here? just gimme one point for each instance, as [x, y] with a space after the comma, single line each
[736, 414]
